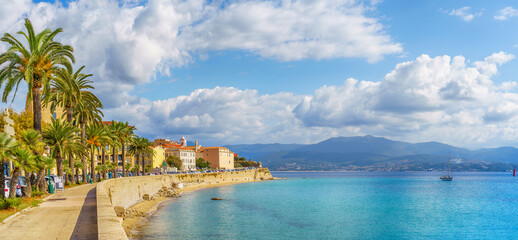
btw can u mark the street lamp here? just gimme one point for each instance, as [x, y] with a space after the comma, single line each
[47, 153]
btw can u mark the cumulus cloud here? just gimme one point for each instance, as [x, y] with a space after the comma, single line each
[464, 13]
[427, 97]
[506, 13]
[442, 98]
[220, 113]
[294, 30]
[127, 43]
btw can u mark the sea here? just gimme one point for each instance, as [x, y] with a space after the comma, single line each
[347, 205]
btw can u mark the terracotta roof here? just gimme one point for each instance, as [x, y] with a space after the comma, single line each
[183, 148]
[216, 148]
[173, 145]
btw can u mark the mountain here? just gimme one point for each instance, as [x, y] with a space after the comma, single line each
[376, 153]
[253, 151]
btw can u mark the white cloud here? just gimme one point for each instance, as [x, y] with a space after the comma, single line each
[439, 98]
[506, 13]
[127, 43]
[294, 30]
[464, 13]
[223, 113]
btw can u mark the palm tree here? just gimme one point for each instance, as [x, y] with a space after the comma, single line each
[135, 169]
[138, 147]
[147, 150]
[78, 164]
[87, 110]
[127, 168]
[124, 133]
[68, 89]
[35, 64]
[22, 160]
[95, 138]
[31, 140]
[42, 163]
[114, 144]
[7, 145]
[110, 138]
[62, 140]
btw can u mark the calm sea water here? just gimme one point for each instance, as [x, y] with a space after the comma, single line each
[344, 205]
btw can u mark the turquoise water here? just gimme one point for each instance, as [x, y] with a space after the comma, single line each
[341, 205]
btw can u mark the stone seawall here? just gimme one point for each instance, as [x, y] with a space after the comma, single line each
[122, 193]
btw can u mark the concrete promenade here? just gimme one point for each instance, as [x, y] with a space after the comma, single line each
[67, 215]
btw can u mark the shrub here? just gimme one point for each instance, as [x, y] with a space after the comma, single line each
[7, 203]
[36, 193]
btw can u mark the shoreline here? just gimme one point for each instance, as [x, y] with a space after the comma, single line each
[133, 226]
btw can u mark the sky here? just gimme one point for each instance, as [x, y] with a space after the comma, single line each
[231, 72]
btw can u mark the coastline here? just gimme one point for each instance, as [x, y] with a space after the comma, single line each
[133, 226]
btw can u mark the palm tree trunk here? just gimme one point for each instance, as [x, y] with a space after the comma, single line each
[115, 163]
[123, 159]
[70, 112]
[71, 166]
[36, 108]
[102, 161]
[33, 179]
[92, 166]
[27, 190]
[143, 166]
[138, 160]
[59, 163]
[77, 174]
[41, 180]
[14, 182]
[83, 158]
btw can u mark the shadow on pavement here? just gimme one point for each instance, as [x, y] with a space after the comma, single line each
[86, 225]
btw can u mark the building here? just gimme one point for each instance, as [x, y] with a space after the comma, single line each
[180, 150]
[47, 115]
[183, 142]
[218, 157]
[156, 160]
[187, 156]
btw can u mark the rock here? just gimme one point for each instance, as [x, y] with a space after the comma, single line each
[119, 211]
[146, 197]
[216, 198]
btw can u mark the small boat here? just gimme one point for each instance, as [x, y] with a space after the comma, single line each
[448, 177]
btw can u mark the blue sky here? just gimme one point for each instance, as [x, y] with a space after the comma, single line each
[422, 27]
[228, 72]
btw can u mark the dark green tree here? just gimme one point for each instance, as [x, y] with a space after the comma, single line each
[201, 163]
[174, 161]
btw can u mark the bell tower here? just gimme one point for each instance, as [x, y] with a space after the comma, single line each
[183, 142]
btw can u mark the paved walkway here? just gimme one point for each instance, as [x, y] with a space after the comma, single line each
[67, 215]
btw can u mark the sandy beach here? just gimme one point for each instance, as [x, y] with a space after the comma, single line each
[133, 225]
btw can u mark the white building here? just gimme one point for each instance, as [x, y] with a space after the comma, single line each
[187, 156]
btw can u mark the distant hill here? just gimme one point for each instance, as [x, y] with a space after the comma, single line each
[369, 153]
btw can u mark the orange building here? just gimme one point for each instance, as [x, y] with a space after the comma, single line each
[218, 157]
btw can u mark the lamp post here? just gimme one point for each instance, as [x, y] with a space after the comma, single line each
[51, 187]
